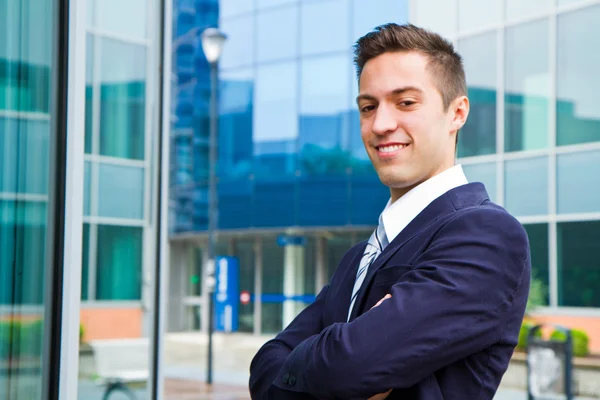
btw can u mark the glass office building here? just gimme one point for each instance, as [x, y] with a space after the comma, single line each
[296, 188]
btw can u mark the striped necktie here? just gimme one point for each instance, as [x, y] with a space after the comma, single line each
[377, 242]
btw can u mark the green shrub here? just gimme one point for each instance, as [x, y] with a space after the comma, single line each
[524, 335]
[21, 339]
[580, 341]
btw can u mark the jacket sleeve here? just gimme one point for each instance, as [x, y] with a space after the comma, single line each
[268, 361]
[455, 300]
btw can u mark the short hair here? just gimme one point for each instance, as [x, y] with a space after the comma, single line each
[445, 64]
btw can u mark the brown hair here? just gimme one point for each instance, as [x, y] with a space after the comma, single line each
[445, 63]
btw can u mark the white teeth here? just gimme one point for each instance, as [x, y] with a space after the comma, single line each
[389, 149]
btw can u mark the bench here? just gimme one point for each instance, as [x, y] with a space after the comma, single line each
[120, 363]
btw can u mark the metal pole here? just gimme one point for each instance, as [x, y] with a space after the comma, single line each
[212, 214]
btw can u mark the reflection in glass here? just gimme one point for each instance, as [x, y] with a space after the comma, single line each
[272, 286]
[578, 86]
[578, 271]
[119, 263]
[27, 29]
[527, 87]
[89, 92]
[239, 49]
[318, 35]
[121, 191]
[229, 8]
[578, 182]
[87, 182]
[122, 99]
[484, 173]
[538, 244]
[275, 130]
[517, 9]
[277, 34]
[244, 250]
[476, 14]
[438, 15]
[478, 136]
[526, 186]
[124, 18]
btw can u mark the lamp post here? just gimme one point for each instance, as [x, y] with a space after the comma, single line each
[212, 44]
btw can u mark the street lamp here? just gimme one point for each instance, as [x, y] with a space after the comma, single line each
[212, 45]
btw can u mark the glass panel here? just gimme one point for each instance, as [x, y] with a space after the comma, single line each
[538, 243]
[85, 262]
[271, 3]
[578, 84]
[478, 136]
[277, 34]
[122, 99]
[477, 14]
[526, 191]
[89, 93]
[27, 30]
[517, 9]
[245, 253]
[120, 191]
[484, 173]
[337, 246]
[228, 8]
[317, 34]
[578, 182]
[239, 48]
[119, 268]
[438, 15]
[275, 129]
[124, 18]
[578, 272]
[21, 141]
[567, 2]
[87, 182]
[272, 285]
[527, 87]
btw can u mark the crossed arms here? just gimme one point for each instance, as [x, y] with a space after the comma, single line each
[453, 302]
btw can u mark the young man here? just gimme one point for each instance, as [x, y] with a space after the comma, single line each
[430, 307]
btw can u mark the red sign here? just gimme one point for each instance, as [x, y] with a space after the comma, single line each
[245, 297]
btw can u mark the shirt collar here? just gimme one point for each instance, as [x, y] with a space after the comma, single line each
[396, 216]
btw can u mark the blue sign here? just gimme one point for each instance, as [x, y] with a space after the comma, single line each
[227, 294]
[286, 240]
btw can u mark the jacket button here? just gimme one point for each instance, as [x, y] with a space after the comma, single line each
[286, 379]
[292, 380]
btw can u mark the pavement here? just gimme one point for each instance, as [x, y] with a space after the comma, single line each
[185, 370]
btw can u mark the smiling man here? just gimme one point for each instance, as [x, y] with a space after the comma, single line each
[431, 305]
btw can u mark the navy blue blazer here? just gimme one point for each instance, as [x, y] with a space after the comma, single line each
[459, 277]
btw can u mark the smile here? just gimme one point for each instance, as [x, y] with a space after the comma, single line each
[391, 148]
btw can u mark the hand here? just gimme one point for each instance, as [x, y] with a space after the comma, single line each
[387, 296]
[381, 396]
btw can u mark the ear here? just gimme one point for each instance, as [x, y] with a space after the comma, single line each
[459, 111]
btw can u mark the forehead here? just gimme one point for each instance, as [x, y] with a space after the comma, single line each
[391, 70]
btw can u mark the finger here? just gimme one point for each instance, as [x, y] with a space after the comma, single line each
[387, 296]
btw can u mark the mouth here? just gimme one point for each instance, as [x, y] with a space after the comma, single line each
[390, 150]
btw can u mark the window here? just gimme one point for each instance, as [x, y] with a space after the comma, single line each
[120, 191]
[578, 182]
[478, 136]
[122, 18]
[272, 286]
[477, 14]
[484, 173]
[277, 34]
[119, 263]
[438, 15]
[517, 9]
[578, 85]
[538, 243]
[526, 186]
[122, 99]
[578, 268]
[527, 87]
[318, 34]
[89, 93]
[239, 48]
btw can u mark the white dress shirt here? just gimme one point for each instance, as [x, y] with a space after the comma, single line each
[396, 216]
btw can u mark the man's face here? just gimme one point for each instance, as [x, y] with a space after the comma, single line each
[407, 133]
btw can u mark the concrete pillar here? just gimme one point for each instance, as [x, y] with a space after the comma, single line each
[293, 280]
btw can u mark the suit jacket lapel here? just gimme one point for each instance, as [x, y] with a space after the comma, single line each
[459, 197]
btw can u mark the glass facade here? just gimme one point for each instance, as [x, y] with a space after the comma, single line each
[28, 31]
[533, 134]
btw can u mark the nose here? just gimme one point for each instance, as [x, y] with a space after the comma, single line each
[384, 121]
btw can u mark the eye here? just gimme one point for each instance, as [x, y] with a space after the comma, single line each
[367, 109]
[407, 103]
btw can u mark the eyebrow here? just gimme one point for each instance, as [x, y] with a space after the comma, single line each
[394, 92]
